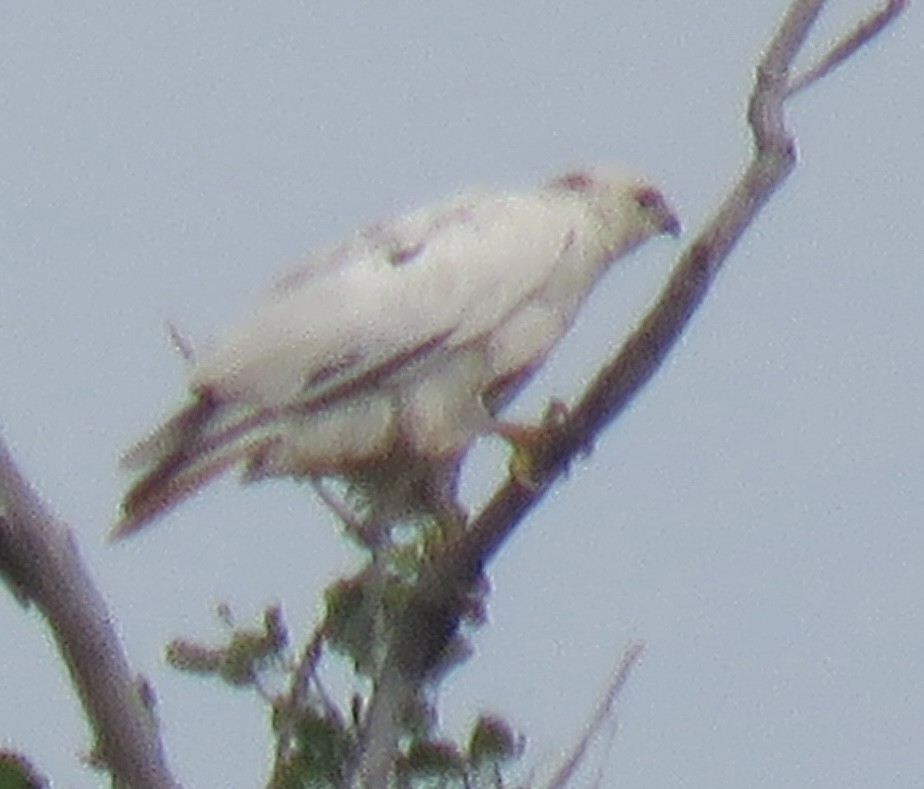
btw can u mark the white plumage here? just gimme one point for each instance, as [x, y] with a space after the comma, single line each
[395, 349]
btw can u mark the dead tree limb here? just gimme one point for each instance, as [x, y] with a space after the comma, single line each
[39, 557]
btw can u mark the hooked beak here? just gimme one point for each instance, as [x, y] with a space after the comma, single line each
[671, 224]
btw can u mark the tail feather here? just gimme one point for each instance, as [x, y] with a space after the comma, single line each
[164, 488]
[167, 439]
[181, 456]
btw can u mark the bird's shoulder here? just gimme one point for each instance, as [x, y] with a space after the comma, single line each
[389, 243]
[436, 277]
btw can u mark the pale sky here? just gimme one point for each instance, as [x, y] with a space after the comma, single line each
[755, 518]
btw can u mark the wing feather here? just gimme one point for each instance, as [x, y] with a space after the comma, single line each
[431, 278]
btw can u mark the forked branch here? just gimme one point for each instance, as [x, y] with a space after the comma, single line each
[621, 379]
[441, 593]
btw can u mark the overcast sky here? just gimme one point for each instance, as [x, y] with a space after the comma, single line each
[755, 518]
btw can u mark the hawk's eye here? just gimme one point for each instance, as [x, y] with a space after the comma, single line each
[648, 198]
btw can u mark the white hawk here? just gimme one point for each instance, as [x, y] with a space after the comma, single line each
[395, 350]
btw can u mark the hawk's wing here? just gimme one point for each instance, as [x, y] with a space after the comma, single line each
[433, 279]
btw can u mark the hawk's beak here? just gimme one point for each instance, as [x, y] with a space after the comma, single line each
[652, 202]
[670, 224]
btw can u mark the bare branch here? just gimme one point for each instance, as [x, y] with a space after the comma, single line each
[41, 555]
[864, 31]
[641, 356]
[604, 713]
[440, 595]
[368, 534]
[394, 695]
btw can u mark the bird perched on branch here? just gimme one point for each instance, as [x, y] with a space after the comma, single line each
[392, 353]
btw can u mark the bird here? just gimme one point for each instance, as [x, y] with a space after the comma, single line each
[386, 357]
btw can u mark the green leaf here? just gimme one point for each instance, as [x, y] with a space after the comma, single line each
[493, 741]
[322, 750]
[432, 759]
[350, 621]
[17, 773]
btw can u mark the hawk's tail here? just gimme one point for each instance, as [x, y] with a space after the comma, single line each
[181, 456]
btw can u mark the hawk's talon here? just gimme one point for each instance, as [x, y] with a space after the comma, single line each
[527, 442]
[521, 469]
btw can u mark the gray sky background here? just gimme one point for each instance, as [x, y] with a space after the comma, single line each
[756, 518]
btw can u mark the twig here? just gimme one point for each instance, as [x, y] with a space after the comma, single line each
[850, 43]
[604, 713]
[49, 571]
[369, 535]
